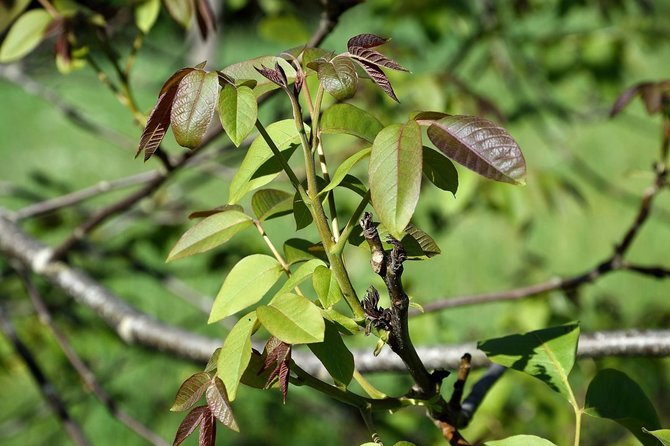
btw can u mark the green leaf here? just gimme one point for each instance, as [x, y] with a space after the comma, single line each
[440, 170]
[299, 250]
[300, 275]
[521, 440]
[146, 13]
[663, 435]
[213, 361]
[287, 29]
[190, 391]
[293, 319]
[260, 166]
[338, 77]
[419, 245]
[238, 112]
[236, 353]
[404, 443]
[209, 233]
[344, 168]
[480, 145]
[256, 375]
[334, 355]
[217, 401]
[270, 203]
[193, 107]
[613, 395]
[247, 70]
[326, 287]
[245, 285]
[9, 11]
[546, 354]
[351, 120]
[181, 11]
[395, 175]
[301, 213]
[26, 33]
[343, 323]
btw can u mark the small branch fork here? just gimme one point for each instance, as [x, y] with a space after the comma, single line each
[394, 320]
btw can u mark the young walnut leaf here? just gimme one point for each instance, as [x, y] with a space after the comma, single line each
[193, 107]
[207, 430]
[365, 41]
[217, 400]
[480, 145]
[378, 77]
[205, 17]
[190, 391]
[653, 94]
[190, 422]
[278, 358]
[274, 75]
[338, 77]
[376, 58]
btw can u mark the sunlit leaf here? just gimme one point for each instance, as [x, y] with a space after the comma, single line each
[146, 13]
[278, 360]
[521, 440]
[24, 35]
[246, 283]
[209, 233]
[270, 203]
[395, 175]
[157, 125]
[349, 119]
[365, 41]
[375, 57]
[190, 423]
[440, 170]
[344, 168]
[190, 391]
[334, 355]
[662, 435]
[344, 324]
[378, 77]
[193, 107]
[480, 145]
[247, 70]
[207, 212]
[613, 395]
[299, 250]
[217, 400]
[213, 360]
[260, 166]
[238, 111]
[326, 287]
[546, 354]
[207, 435]
[301, 274]
[293, 319]
[338, 76]
[180, 10]
[236, 353]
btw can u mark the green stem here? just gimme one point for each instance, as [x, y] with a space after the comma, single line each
[578, 424]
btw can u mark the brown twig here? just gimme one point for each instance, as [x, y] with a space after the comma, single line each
[80, 367]
[47, 388]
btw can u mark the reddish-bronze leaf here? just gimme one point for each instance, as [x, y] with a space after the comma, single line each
[193, 107]
[173, 81]
[205, 17]
[365, 41]
[157, 125]
[207, 429]
[273, 75]
[217, 400]
[652, 94]
[283, 379]
[278, 357]
[375, 57]
[190, 422]
[190, 391]
[378, 77]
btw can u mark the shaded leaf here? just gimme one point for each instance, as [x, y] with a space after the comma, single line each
[378, 77]
[236, 353]
[275, 76]
[326, 287]
[193, 107]
[480, 145]
[354, 184]
[334, 355]
[246, 283]
[349, 119]
[338, 76]
[216, 210]
[440, 170]
[217, 400]
[238, 112]
[260, 166]
[301, 214]
[376, 58]
[209, 233]
[255, 375]
[404, 443]
[9, 11]
[612, 394]
[270, 203]
[418, 244]
[293, 319]
[247, 70]
[190, 422]
[663, 435]
[299, 250]
[365, 41]
[180, 10]
[521, 440]
[146, 13]
[24, 35]
[344, 168]
[427, 117]
[207, 435]
[301, 274]
[190, 391]
[395, 175]
[652, 94]
[205, 17]
[546, 354]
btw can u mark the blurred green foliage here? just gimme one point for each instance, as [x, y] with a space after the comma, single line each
[550, 70]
